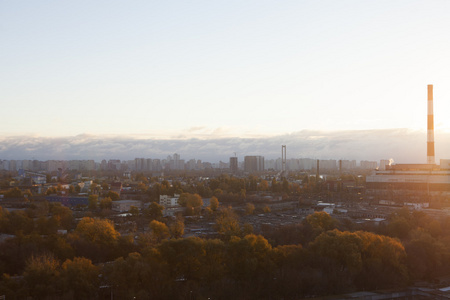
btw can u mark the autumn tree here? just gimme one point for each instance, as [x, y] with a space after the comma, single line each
[177, 228]
[248, 258]
[339, 255]
[13, 193]
[263, 186]
[227, 223]
[62, 214]
[213, 203]
[320, 221]
[184, 257]
[41, 276]
[106, 203]
[100, 231]
[192, 202]
[249, 209]
[159, 230]
[80, 277]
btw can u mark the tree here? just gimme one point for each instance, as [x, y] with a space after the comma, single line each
[425, 255]
[4, 220]
[249, 209]
[192, 202]
[134, 211]
[97, 231]
[93, 202]
[41, 276]
[263, 186]
[320, 221]
[113, 195]
[227, 223]
[339, 255]
[214, 203]
[142, 187]
[155, 210]
[384, 261]
[184, 257]
[62, 214]
[177, 228]
[71, 189]
[106, 203]
[248, 258]
[160, 231]
[13, 193]
[80, 277]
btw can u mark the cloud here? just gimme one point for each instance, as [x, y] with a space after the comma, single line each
[401, 144]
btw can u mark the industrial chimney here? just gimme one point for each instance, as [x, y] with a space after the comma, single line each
[430, 132]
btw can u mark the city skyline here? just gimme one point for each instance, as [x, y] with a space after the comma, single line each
[401, 145]
[220, 70]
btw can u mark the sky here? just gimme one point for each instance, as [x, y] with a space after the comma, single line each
[211, 70]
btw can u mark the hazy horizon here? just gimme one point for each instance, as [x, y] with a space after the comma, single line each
[402, 145]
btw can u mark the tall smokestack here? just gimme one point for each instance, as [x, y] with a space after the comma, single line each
[430, 132]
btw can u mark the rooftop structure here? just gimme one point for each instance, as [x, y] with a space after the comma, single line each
[414, 180]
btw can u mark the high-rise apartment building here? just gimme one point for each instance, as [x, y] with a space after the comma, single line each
[233, 165]
[253, 163]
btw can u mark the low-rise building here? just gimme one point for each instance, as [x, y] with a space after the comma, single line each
[125, 205]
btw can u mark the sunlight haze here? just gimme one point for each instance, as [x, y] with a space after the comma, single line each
[240, 68]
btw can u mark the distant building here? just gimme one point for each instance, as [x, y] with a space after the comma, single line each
[383, 164]
[68, 201]
[368, 165]
[125, 205]
[253, 163]
[233, 165]
[413, 180]
[169, 201]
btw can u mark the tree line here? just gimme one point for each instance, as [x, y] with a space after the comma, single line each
[318, 256]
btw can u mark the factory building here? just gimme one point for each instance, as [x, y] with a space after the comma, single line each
[414, 181]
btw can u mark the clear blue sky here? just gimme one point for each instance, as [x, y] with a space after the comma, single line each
[221, 68]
